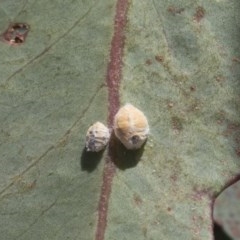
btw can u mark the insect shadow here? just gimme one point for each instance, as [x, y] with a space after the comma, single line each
[90, 160]
[219, 233]
[122, 157]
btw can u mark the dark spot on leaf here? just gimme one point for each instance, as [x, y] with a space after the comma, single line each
[199, 14]
[170, 104]
[137, 199]
[238, 151]
[220, 79]
[237, 139]
[232, 128]
[195, 106]
[23, 186]
[159, 58]
[177, 124]
[169, 209]
[148, 62]
[175, 10]
[236, 59]
[193, 88]
[220, 117]
[173, 178]
[16, 33]
[199, 194]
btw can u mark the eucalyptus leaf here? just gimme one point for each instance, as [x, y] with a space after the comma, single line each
[178, 62]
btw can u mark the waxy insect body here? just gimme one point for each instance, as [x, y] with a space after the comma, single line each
[131, 127]
[97, 137]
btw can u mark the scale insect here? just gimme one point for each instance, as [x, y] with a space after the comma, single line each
[97, 137]
[131, 127]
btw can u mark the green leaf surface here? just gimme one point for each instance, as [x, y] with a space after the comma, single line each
[180, 67]
[52, 88]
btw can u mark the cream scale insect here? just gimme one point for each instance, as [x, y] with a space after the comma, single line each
[131, 127]
[97, 137]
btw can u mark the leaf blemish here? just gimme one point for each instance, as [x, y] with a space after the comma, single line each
[16, 34]
[148, 62]
[175, 10]
[137, 200]
[177, 124]
[199, 14]
[159, 58]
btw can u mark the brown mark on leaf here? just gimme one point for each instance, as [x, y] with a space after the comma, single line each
[174, 178]
[169, 209]
[64, 140]
[238, 151]
[30, 186]
[137, 200]
[175, 10]
[148, 62]
[237, 139]
[197, 223]
[220, 79]
[16, 34]
[236, 59]
[199, 194]
[170, 104]
[22, 185]
[235, 64]
[231, 129]
[199, 14]
[177, 124]
[193, 88]
[194, 107]
[159, 58]
[220, 117]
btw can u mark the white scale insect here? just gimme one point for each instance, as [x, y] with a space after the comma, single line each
[97, 137]
[131, 127]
